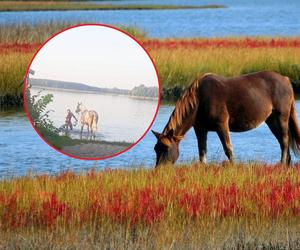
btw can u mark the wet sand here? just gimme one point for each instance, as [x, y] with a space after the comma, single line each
[93, 150]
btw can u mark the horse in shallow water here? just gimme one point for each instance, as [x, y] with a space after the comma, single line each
[237, 104]
[89, 118]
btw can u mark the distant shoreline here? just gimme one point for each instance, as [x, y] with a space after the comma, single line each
[95, 93]
[7, 6]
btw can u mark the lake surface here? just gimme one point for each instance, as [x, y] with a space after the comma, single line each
[22, 150]
[240, 18]
[121, 118]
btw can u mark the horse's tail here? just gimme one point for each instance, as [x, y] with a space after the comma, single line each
[294, 131]
[94, 122]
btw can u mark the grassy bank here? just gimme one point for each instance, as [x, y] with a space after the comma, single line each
[178, 68]
[180, 64]
[28, 36]
[56, 140]
[18, 43]
[60, 141]
[217, 206]
[178, 61]
[70, 5]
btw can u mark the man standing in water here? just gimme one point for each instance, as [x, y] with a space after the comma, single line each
[69, 116]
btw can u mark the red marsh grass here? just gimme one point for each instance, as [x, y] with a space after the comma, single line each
[234, 42]
[179, 65]
[178, 61]
[187, 206]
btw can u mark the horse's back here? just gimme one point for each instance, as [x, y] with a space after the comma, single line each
[270, 81]
[264, 85]
[89, 116]
[263, 80]
[245, 100]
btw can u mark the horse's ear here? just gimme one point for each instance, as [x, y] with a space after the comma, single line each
[157, 135]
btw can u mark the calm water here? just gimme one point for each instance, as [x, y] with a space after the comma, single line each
[245, 18]
[21, 149]
[120, 118]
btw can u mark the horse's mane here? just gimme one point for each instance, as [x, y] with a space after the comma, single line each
[83, 107]
[186, 103]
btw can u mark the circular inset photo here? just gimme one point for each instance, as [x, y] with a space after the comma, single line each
[91, 91]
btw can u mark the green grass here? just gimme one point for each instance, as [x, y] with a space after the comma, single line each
[177, 66]
[182, 65]
[68, 5]
[12, 70]
[38, 33]
[59, 141]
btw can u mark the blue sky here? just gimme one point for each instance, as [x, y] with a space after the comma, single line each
[97, 56]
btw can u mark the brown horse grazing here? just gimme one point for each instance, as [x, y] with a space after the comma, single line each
[237, 104]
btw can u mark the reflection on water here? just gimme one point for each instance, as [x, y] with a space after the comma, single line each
[21, 149]
[120, 118]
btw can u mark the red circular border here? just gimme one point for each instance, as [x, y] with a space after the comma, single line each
[91, 158]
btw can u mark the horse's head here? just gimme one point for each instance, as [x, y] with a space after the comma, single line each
[78, 109]
[167, 147]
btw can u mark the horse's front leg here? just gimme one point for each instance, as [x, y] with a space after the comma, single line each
[81, 132]
[201, 135]
[224, 135]
[92, 132]
[88, 131]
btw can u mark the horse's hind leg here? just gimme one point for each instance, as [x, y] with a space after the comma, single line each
[92, 133]
[278, 124]
[201, 138]
[224, 135]
[95, 130]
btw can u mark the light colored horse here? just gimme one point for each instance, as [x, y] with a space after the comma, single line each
[89, 118]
